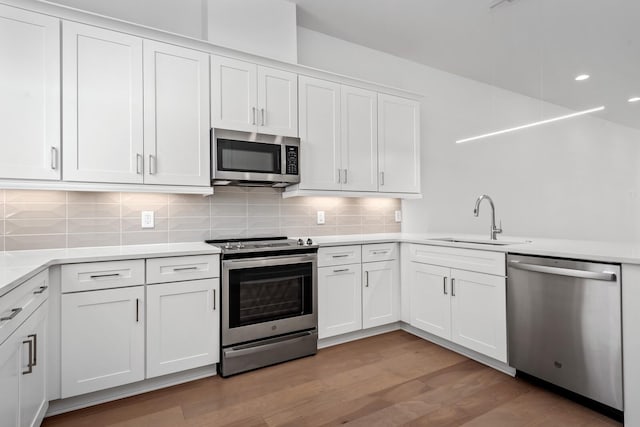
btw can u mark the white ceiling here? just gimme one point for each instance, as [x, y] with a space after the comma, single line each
[534, 47]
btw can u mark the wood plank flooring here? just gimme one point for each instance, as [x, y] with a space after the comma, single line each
[388, 380]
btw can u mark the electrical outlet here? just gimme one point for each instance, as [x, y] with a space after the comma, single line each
[147, 219]
[320, 217]
[398, 216]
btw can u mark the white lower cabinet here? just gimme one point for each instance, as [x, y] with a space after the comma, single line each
[102, 335]
[465, 307]
[380, 293]
[10, 380]
[183, 322]
[339, 300]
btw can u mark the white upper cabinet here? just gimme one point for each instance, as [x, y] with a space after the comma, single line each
[176, 115]
[29, 95]
[319, 103]
[277, 102]
[233, 94]
[252, 98]
[398, 144]
[102, 105]
[359, 142]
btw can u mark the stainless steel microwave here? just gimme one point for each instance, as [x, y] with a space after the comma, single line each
[246, 158]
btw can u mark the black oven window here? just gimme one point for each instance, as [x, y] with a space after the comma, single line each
[264, 294]
[243, 156]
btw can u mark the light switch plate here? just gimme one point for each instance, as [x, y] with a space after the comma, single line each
[147, 219]
[398, 216]
[320, 217]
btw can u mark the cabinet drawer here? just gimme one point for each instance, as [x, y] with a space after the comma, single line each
[176, 269]
[464, 259]
[379, 252]
[339, 255]
[23, 300]
[102, 275]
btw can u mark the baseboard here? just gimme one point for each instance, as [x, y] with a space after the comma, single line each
[90, 399]
[357, 335]
[481, 358]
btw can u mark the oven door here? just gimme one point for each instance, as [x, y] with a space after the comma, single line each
[266, 297]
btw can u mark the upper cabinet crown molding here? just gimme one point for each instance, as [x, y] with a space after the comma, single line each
[252, 98]
[30, 103]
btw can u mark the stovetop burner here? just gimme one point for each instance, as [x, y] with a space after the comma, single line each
[262, 244]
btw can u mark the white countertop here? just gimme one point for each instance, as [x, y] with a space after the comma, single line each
[18, 266]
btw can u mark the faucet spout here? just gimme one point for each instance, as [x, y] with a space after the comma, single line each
[476, 211]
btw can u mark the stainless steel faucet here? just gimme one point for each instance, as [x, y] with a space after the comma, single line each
[476, 211]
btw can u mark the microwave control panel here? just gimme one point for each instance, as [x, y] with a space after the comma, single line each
[291, 159]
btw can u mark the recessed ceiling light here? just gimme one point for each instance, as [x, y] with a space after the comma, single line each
[582, 77]
[634, 99]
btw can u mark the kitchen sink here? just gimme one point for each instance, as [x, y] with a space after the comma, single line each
[480, 241]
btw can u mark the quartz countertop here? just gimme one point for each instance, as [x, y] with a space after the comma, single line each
[18, 266]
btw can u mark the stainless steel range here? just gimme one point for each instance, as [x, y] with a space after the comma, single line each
[269, 302]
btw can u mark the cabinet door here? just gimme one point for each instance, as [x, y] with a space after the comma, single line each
[339, 300]
[102, 105]
[183, 326]
[33, 388]
[380, 293]
[30, 95]
[479, 313]
[233, 94]
[319, 134]
[102, 339]
[277, 102]
[398, 144]
[359, 126]
[430, 302]
[176, 115]
[10, 353]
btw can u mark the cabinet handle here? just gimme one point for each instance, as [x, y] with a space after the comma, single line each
[253, 109]
[379, 252]
[262, 114]
[137, 310]
[103, 276]
[54, 158]
[30, 364]
[14, 313]
[153, 167]
[35, 348]
[381, 178]
[366, 279]
[214, 300]
[341, 270]
[193, 267]
[139, 160]
[453, 287]
[340, 256]
[339, 176]
[444, 285]
[40, 290]
[345, 176]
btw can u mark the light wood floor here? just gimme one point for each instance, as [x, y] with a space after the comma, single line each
[388, 380]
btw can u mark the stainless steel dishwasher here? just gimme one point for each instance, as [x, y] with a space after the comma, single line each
[564, 322]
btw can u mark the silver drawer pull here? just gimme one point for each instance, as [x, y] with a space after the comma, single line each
[340, 256]
[35, 348]
[40, 290]
[14, 313]
[380, 252]
[30, 364]
[194, 267]
[103, 276]
[341, 270]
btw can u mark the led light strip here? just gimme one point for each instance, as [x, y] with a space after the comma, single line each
[542, 122]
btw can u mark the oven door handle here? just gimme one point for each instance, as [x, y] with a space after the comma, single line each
[233, 264]
[259, 348]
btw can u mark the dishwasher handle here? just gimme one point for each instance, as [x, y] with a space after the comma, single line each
[582, 274]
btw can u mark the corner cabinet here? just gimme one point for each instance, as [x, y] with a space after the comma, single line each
[398, 144]
[451, 301]
[29, 95]
[253, 98]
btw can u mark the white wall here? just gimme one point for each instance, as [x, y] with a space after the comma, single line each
[576, 179]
